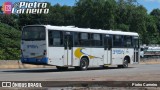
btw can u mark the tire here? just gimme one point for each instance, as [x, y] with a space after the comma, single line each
[83, 64]
[125, 64]
[61, 68]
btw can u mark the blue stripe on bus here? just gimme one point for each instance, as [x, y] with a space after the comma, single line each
[35, 60]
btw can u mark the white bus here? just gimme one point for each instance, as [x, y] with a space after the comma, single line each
[69, 46]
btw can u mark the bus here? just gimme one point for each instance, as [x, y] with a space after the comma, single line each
[69, 46]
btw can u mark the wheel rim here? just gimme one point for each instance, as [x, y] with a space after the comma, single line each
[83, 64]
[125, 63]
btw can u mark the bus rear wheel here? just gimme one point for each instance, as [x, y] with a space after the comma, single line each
[83, 64]
[61, 68]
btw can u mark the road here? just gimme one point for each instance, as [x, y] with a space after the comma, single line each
[140, 72]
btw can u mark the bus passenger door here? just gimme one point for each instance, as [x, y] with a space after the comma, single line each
[136, 50]
[68, 46]
[107, 49]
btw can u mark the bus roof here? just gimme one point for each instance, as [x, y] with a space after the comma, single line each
[72, 28]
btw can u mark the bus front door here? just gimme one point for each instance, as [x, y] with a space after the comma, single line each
[107, 49]
[68, 46]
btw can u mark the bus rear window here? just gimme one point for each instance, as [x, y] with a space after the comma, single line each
[33, 33]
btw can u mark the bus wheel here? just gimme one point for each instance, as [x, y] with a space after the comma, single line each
[125, 64]
[61, 68]
[83, 64]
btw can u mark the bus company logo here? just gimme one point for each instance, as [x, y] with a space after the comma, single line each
[25, 7]
[118, 52]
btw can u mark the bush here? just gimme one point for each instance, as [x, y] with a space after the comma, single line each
[9, 42]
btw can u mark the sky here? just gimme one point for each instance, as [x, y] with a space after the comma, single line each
[148, 4]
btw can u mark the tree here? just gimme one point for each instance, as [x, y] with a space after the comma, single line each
[58, 15]
[123, 27]
[11, 20]
[156, 14]
[95, 13]
[61, 15]
[150, 37]
[9, 42]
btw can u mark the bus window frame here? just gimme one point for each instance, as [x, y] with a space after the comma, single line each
[62, 45]
[134, 39]
[121, 43]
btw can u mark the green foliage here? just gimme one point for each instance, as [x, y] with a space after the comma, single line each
[156, 15]
[58, 15]
[123, 15]
[11, 20]
[95, 13]
[9, 42]
[123, 27]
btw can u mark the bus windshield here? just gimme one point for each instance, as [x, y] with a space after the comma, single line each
[33, 33]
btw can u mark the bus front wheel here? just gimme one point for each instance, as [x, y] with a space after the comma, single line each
[125, 64]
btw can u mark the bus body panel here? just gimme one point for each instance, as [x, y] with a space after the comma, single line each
[117, 56]
[60, 57]
[56, 56]
[107, 56]
[80, 52]
[33, 52]
[97, 55]
[130, 53]
[76, 58]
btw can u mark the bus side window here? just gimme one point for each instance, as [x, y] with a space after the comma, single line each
[76, 39]
[127, 41]
[55, 38]
[96, 40]
[50, 38]
[84, 39]
[117, 41]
